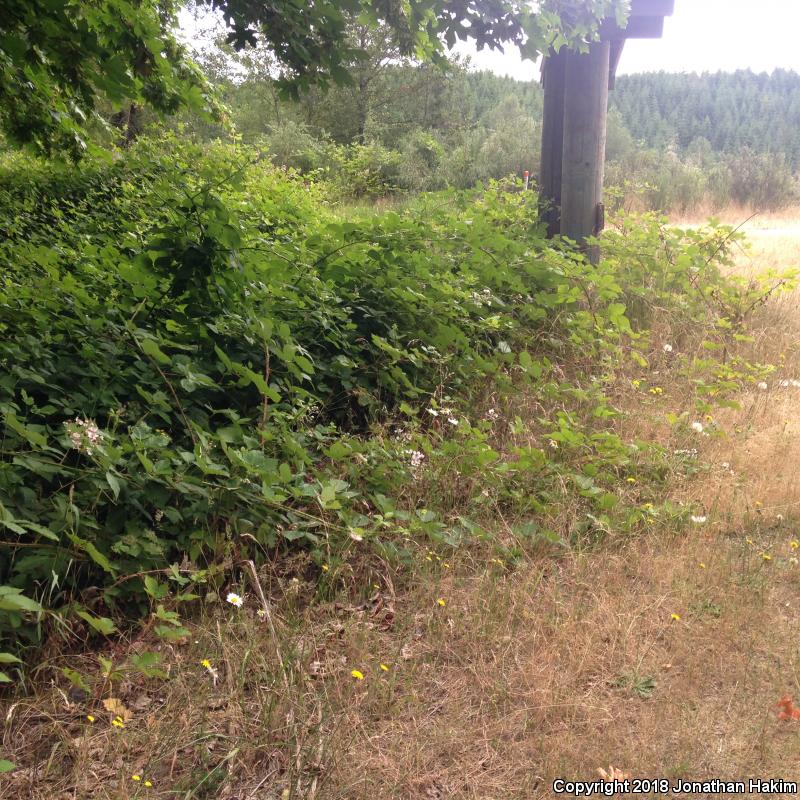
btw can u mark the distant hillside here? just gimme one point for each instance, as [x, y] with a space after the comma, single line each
[730, 110]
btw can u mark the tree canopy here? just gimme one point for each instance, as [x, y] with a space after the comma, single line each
[61, 61]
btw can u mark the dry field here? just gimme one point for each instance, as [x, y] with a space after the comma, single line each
[663, 656]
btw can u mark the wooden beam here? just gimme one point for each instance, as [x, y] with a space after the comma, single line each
[616, 54]
[652, 8]
[585, 119]
[554, 77]
[638, 28]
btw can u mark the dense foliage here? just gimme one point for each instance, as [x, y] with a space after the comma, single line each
[60, 62]
[404, 127]
[196, 351]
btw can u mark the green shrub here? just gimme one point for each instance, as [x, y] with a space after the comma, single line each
[195, 350]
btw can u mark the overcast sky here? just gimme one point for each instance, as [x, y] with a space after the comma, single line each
[702, 36]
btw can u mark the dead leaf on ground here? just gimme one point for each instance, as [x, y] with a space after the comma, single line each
[117, 708]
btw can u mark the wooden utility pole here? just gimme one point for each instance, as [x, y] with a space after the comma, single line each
[554, 76]
[574, 125]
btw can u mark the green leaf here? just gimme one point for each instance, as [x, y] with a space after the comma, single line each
[7, 658]
[113, 483]
[101, 624]
[155, 352]
[6, 766]
[4, 678]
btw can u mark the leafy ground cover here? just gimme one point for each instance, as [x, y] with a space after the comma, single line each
[267, 471]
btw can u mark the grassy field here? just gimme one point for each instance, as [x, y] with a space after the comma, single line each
[663, 657]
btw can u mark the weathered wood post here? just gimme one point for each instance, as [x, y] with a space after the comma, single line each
[576, 89]
[584, 153]
[554, 75]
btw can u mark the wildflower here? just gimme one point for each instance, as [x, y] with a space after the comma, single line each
[416, 458]
[261, 614]
[492, 414]
[148, 784]
[675, 617]
[553, 444]
[784, 384]
[84, 435]
[763, 386]
[205, 663]
[441, 602]
[359, 676]
[356, 537]
[636, 384]
[117, 722]
[90, 718]
[667, 348]
[433, 412]
[656, 390]
[452, 420]
[631, 480]
[235, 599]
[701, 565]
[793, 561]
[699, 520]
[445, 565]
[697, 427]
[325, 568]
[136, 777]
[384, 667]
[725, 465]
[766, 556]
[795, 544]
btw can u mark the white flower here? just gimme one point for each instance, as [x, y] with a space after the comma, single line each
[725, 465]
[84, 435]
[235, 599]
[795, 383]
[356, 537]
[699, 520]
[452, 420]
[667, 348]
[416, 458]
[492, 413]
[763, 386]
[433, 412]
[553, 444]
[697, 427]
[784, 384]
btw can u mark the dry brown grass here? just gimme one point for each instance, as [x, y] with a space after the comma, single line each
[520, 677]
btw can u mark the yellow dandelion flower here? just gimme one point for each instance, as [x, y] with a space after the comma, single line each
[676, 617]
[325, 567]
[441, 601]
[749, 541]
[759, 504]
[631, 480]
[90, 718]
[384, 667]
[358, 675]
[795, 544]
[445, 565]
[636, 384]
[136, 777]
[148, 784]
[766, 556]
[205, 663]
[702, 565]
[117, 722]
